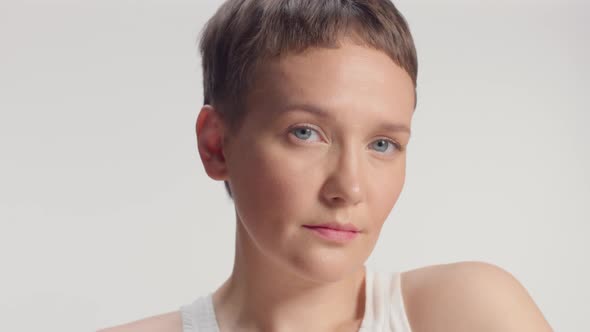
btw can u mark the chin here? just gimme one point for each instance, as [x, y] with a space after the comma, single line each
[326, 267]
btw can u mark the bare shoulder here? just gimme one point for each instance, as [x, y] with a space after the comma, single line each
[168, 322]
[469, 296]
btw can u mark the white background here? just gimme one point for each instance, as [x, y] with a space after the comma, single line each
[106, 213]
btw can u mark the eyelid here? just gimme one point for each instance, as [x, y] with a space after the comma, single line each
[304, 125]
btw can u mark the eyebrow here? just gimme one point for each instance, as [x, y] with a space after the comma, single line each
[385, 126]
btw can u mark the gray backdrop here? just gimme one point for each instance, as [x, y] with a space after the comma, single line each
[107, 216]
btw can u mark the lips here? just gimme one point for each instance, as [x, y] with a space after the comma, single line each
[335, 226]
[334, 232]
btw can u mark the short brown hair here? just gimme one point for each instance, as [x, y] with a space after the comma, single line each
[244, 33]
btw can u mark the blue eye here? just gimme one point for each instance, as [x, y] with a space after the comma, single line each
[303, 132]
[383, 144]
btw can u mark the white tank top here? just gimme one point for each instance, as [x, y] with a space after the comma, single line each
[384, 307]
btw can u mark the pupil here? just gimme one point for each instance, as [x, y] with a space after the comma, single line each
[381, 143]
[304, 132]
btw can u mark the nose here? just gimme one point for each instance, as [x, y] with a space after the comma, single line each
[343, 186]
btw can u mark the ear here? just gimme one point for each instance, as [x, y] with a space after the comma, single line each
[210, 130]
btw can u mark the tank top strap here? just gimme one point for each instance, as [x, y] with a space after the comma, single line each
[384, 304]
[399, 317]
[199, 316]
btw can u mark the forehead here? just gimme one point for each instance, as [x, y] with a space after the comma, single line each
[351, 77]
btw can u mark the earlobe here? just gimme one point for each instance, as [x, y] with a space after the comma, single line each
[210, 135]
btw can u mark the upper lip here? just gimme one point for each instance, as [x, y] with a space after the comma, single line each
[337, 226]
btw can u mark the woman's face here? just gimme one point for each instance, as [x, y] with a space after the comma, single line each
[324, 141]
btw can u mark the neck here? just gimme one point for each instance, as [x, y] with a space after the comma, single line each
[263, 295]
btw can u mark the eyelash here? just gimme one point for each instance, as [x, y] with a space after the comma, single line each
[392, 142]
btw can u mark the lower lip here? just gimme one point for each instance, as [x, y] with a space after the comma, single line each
[333, 234]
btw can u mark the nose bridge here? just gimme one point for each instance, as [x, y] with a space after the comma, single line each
[344, 183]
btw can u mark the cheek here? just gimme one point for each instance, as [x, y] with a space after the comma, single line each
[384, 191]
[272, 188]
